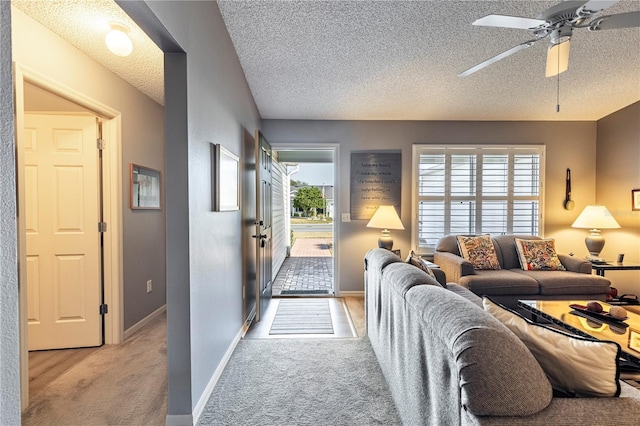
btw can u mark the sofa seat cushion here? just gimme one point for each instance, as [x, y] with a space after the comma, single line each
[500, 282]
[566, 282]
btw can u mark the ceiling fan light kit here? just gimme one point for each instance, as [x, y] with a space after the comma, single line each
[558, 58]
[557, 23]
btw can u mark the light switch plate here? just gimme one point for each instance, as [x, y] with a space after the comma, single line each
[346, 217]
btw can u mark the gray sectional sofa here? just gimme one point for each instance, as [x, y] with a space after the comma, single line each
[511, 283]
[449, 362]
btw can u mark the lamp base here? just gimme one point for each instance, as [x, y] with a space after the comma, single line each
[595, 243]
[385, 241]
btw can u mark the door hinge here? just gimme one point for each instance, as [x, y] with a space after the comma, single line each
[102, 226]
[104, 309]
[102, 144]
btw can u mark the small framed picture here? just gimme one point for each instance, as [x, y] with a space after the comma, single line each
[634, 340]
[635, 199]
[144, 188]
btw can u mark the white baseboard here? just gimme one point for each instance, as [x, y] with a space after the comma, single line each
[197, 412]
[179, 420]
[146, 320]
[351, 293]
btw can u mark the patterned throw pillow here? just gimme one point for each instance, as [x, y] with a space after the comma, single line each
[538, 255]
[479, 251]
[418, 262]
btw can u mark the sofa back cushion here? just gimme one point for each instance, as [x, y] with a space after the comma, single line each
[498, 376]
[508, 255]
[403, 276]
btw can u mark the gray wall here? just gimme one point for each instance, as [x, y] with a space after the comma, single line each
[9, 343]
[204, 247]
[568, 144]
[618, 172]
[143, 238]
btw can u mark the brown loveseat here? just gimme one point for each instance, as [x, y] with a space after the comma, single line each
[511, 282]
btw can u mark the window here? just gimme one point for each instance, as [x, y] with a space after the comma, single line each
[476, 190]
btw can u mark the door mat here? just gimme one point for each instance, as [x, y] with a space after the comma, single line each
[304, 292]
[302, 317]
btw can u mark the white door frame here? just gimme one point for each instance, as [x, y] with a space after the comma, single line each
[335, 147]
[112, 205]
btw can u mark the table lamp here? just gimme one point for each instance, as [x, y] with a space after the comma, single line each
[595, 218]
[385, 218]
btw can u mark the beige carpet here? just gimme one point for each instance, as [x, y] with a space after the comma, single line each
[123, 384]
[115, 385]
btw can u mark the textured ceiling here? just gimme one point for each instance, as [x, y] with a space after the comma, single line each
[399, 60]
[84, 24]
[387, 60]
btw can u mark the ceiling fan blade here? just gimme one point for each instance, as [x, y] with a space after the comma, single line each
[558, 59]
[497, 58]
[505, 21]
[612, 22]
[595, 6]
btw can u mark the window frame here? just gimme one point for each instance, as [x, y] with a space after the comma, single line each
[448, 150]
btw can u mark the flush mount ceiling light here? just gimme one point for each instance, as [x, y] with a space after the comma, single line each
[118, 41]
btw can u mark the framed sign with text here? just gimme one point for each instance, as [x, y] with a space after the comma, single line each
[376, 179]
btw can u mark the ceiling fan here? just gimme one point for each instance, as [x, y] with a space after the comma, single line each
[557, 23]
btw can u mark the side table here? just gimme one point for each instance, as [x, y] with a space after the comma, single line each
[600, 268]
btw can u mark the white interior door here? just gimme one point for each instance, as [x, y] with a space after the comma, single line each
[61, 190]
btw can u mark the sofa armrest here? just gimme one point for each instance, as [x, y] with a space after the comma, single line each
[453, 265]
[575, 264]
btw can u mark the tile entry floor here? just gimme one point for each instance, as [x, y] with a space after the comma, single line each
[308, 270]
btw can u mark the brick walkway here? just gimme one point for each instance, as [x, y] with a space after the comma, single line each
[309, 269]
[310, 247]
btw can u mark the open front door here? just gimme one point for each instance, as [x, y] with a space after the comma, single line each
[249, 228]
[263, 223]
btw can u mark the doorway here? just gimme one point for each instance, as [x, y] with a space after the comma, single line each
[306, 266]
[29, 84]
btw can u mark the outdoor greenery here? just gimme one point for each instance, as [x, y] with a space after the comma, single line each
[309, 199]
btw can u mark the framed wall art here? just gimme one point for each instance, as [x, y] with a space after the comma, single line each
[225, 173]
[635, 199]
[145, 188]
[376, 179]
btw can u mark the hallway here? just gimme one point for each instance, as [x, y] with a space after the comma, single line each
[123, 384]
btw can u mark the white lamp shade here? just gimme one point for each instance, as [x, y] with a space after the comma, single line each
[385, 217]
[595, 217]
[118, 40]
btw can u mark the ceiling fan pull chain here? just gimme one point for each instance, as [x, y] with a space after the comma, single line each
[558, 85]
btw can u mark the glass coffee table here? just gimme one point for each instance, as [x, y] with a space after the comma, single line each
[626, 333]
